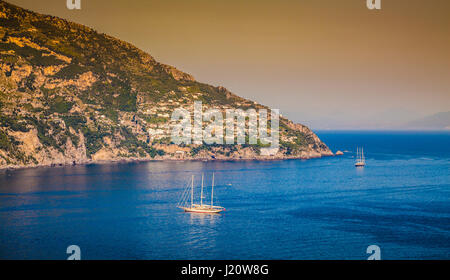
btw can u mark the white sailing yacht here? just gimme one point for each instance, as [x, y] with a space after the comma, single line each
[189, 205]
[360, 160]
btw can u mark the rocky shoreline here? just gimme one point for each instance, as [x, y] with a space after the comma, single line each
[161, 159]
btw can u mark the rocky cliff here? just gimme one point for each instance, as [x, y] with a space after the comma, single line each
[71, 95]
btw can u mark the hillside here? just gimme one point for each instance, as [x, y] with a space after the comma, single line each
[71, 95]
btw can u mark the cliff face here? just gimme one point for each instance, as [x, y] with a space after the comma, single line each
[69, 94]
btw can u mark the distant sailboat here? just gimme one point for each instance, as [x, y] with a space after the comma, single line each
[360, 159]
[189, 205]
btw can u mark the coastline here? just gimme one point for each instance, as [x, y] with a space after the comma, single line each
[131, 160]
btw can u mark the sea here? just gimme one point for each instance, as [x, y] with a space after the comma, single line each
[321, 208]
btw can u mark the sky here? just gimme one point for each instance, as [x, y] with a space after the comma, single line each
[325, 63]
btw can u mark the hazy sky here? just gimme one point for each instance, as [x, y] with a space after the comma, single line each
[326, 63]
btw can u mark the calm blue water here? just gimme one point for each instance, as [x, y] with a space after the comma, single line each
[294, 209]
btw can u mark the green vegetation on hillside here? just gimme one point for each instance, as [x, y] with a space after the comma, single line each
[67, 82]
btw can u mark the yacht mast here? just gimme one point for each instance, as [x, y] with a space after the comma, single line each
[212, 191]
[201, 194]
[192, 191]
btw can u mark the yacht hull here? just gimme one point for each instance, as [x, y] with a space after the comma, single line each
[203, 210]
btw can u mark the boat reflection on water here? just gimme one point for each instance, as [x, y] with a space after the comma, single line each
[203, 218]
